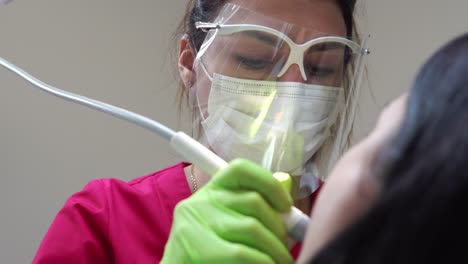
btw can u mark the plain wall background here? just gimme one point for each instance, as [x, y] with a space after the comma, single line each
[120, 52]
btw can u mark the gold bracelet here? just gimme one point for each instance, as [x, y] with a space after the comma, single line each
[193, 179]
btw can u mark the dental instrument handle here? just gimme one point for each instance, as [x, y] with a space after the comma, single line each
[197, 153]
[296, 221]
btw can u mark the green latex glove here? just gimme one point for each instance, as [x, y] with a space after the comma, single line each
[235, 218]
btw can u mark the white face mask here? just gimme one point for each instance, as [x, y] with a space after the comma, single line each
[279, 125]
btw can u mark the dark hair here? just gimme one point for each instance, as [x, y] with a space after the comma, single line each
[420, 215]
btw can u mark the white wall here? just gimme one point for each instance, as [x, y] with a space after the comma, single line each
[403, 35]
[119, 51]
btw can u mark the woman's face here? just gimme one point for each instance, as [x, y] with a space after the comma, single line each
[351, 189]
[248, 52]
[244, 56]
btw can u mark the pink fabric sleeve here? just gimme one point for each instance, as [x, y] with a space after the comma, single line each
[78, 233]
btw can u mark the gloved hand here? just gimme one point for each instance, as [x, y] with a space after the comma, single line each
[234, 218]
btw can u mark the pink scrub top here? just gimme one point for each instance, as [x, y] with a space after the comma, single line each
[111, 221]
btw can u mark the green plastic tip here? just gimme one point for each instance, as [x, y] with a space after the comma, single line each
[284, 179]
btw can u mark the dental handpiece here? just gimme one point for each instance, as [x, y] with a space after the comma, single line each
[190, 149]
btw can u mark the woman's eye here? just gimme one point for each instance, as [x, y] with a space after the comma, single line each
[319, 71]
[252, 63]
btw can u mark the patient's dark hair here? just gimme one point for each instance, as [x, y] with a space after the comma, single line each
[421, 216]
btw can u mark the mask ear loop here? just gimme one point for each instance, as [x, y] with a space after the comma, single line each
[205, 70]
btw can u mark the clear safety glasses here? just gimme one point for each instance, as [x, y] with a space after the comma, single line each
[259, 52]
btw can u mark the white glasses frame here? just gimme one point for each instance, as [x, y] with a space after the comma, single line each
[297, 50]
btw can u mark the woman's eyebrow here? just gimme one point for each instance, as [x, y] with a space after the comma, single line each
[326, 46]
[264, 37]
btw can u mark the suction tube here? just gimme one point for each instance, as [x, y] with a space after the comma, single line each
[194, 152]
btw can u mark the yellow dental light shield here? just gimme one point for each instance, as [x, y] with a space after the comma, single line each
[284, 179]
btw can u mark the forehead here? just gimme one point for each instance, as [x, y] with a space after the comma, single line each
[319, 15]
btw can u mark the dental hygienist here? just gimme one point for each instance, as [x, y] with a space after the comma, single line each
[270, 81]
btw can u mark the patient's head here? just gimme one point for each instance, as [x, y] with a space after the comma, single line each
[400, 195]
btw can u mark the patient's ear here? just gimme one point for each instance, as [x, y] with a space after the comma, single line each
[187, 57]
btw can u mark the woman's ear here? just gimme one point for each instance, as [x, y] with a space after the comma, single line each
[187, 57]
